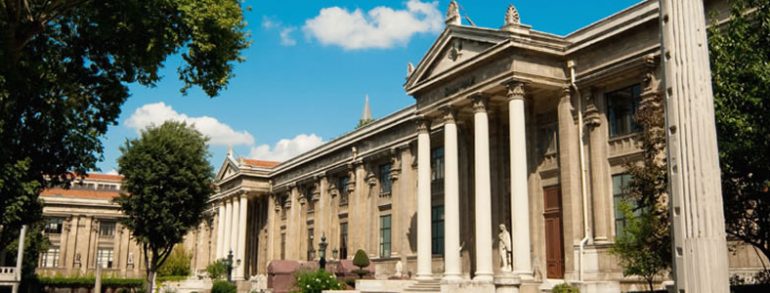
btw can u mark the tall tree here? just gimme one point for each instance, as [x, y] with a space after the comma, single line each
[168, 180]
[644, 248]
[740, 62]
[64, 70]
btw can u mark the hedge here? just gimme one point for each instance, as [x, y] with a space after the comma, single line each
[89, 281]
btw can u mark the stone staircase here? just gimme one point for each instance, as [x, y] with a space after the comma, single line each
[433, 286]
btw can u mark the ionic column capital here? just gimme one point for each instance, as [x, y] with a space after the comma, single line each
[515, 90]
[423, 124]
[480, 103]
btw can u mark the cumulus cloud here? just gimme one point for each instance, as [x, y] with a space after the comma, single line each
[285, 32]
[218, 132]
[286, 148]
[381, 27]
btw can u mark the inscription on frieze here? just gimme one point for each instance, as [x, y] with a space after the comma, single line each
[465, 81]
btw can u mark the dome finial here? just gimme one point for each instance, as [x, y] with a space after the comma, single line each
[512, 17]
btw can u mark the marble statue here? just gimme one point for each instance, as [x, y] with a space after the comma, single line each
[504, 246]
[399, 269]
[453, 13]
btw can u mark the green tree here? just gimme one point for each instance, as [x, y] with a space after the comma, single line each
[65, 66]
[167, 180]
[177, 264]
[361, 260]
[740, 64]
[644, 248]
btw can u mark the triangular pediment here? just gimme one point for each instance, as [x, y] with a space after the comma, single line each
[229, 168]
[455, 46]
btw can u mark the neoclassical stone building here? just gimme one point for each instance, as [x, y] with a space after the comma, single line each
[510, 126]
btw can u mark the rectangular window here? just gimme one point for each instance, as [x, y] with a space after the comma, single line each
[619, 185]
[54, 225]
[50, 258]
[104, 257]
[621, 108]
[107, 229]
[437, 164]
[437, 230]
[385, 184]
[283, 246]
[343, 240]
[385, 236]
[548, 139]
[310, 247]
[342, 188]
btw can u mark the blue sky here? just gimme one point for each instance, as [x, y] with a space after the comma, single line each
[312, 62]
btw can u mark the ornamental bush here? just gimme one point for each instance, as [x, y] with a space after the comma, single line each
[177, 264]
[316, 282]
[361, 260]
[565, 288]
[223, 287]
[217, 269]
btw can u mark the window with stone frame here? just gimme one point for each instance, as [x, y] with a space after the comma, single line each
[342, 188]
[106, 228]
[386, 184]
[343, 240]
[50, 258]
[437, 230]
[310, 244]
[385, 236]
[548, 139]
[54, 225]
[621, 108]
[283, 245]
[619, 191]
[437, 170]
[104, 257]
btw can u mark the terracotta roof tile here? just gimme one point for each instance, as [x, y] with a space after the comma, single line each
[260, 164]
[80, 193]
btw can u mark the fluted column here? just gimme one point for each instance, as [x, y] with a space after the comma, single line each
[597, 144]
[227, 227]
[221, 230]
[233, 244]
[452, 264]
[424, 271]
[241, 242]
[483, 191]
[700, 254]
[522, 263]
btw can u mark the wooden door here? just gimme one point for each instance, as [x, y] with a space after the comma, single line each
[554, 238]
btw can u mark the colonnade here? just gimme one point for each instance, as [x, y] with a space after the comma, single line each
[482, 193]
[231, 232]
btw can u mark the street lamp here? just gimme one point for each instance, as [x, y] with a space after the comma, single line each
[229, 266]
[322, 251]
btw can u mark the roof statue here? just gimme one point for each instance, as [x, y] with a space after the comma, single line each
[512, 17]
[453, 14]
[409, 69]
[367, 114]
[230, 151]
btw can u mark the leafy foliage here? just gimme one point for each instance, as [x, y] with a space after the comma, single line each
[223, 287]
[740, 64]
[565, 288]
[177, 264]
[316, 282]
[88, 282]
[644, 249]
[64, 70]
[361, 260]
[35, 242]
[217, 269]
[167, 178]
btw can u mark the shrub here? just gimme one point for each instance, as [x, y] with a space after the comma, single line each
[565, 288]
[361, 260]
[217, 269]
[177, 264]
[316, 282]
[223, 287]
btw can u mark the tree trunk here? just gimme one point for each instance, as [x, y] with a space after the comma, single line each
[151, 281]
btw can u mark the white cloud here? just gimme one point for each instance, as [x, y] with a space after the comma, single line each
[218, 132]
[268, 23]
[286, 38]
[382, 27]
[286, 148]
[112, 172]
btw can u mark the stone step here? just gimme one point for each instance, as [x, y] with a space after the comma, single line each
[425, 286]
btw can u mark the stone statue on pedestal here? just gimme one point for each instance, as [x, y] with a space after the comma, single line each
[504, 247]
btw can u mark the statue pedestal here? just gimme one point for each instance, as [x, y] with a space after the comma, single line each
[507, 282]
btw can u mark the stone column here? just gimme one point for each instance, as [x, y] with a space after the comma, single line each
[424, 271]
[483, 191]
[235, 214]
[569, 180]
[452, 264]
[227, 227]
[597, 144]
[699, 244]
[220, 230]
[240, 273]
[522, 261]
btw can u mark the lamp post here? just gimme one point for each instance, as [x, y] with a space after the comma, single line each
[322, 251]
[229, 266]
